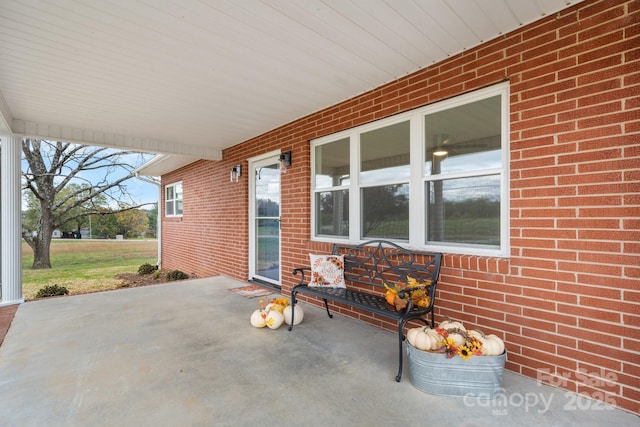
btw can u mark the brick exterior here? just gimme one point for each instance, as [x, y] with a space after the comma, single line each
[568, 298]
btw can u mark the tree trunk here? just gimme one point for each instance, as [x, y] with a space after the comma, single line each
[41, 256]
[41, 243]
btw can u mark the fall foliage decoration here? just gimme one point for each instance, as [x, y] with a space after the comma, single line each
[413, 289]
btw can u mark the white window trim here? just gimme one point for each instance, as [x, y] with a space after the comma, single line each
[417, 212]
[174, 215]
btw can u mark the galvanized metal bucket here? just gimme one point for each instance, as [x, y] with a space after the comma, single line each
[479, 376]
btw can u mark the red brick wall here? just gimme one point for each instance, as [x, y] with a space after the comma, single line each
[567, 301]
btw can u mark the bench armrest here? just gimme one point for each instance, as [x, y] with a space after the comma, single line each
[300, 270]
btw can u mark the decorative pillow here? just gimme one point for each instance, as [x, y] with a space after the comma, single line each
[327, 271]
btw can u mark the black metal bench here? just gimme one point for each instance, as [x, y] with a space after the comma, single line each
[367, 267]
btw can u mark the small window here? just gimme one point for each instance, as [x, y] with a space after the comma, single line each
[173, 199]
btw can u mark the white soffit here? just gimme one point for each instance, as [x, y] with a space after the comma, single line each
[163, 163]
[193, 77]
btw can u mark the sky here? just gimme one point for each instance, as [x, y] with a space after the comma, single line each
[141, 190]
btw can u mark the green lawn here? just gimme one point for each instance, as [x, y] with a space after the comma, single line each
[86, 265]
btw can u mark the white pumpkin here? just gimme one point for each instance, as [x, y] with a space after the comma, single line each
[258, 319]
[492, 345]
[411, 334]
[451, 324]
[297, 312]
[457, 336]
[274, 319]
[425, 338]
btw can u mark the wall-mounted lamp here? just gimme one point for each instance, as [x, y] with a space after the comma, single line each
[439, 142]
[285, 161]
[236, 173]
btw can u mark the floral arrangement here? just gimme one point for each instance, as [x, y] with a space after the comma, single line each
[279, 304]
[418, 294]
[453, 339]
[466, 347]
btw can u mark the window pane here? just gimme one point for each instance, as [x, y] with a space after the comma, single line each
[332, 164]
[169, 208]
[385, 212]
[178, 190]
[464, 138]
[267, 248]
[268, 191]
[179, 207]
[465, 210]
[384, 154]
[332, 213]
[169, 193]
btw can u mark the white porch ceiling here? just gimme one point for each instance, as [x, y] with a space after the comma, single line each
[191, 77]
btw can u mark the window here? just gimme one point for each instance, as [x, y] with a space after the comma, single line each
[384, 178]
[463, 162]
[435, 177]
[331, 182]
[173, 199]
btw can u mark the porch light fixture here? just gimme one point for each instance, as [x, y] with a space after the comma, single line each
[236, 173]
[285, 161]
[439, 140]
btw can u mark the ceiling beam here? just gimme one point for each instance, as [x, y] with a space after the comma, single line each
[108, 139]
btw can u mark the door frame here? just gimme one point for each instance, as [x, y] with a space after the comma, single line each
[252, 218]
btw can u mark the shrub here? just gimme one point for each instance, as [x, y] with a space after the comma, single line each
[157, 274]
[146, 269]
[52, 291]
[176, 275]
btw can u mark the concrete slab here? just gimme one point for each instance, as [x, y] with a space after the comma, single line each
[184, 354]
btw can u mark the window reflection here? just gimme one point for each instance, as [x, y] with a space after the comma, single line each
[463, 139]
[384, 154]
[332, 164]
[332, 213]
[465, 210]
[385, 212]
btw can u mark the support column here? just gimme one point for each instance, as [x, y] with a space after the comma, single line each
[11, 221]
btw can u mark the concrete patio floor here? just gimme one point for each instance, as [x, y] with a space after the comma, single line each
[184, 354]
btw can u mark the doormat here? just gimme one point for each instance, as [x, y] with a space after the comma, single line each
[252, 291]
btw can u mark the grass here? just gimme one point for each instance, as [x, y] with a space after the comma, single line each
[84, 266]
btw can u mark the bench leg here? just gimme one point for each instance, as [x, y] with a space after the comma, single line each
[400, 339]
[401, 324]
[292, 303]
[326, 305]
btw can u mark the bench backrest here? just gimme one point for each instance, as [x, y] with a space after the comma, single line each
[371, 264]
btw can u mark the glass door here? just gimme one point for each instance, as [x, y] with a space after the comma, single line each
[265, 220]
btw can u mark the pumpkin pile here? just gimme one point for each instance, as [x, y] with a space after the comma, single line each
[453, 339]
[418, 294]
[275, 313]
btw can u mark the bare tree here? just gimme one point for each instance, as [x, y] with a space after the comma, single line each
[52, 168]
